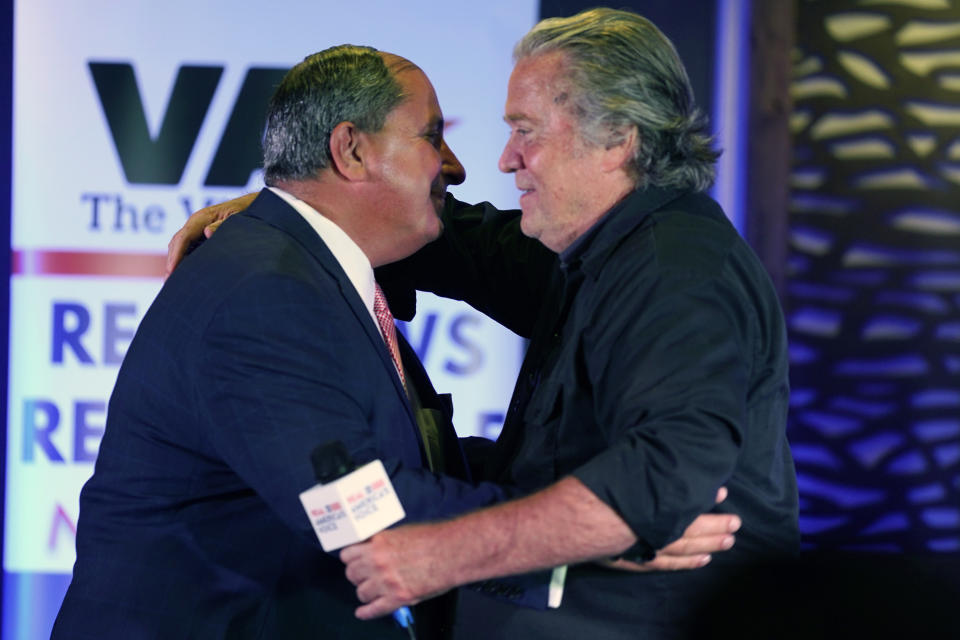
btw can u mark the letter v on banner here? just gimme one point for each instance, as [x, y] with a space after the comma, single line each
[144, 159]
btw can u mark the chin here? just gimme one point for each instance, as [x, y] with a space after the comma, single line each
[526, 227]
[432, 231]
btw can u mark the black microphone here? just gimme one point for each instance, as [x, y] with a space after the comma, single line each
[331, 461]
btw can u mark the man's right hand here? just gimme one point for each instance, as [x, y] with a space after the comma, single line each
[202, 224]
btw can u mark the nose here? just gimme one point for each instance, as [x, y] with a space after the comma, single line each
[453, 172]
[510, 159]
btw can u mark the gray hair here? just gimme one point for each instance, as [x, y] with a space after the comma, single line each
[624, 72]
[346, 83]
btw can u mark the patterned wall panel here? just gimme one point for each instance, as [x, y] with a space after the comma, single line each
[873, 287]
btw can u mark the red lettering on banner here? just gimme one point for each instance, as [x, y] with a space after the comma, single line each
[60, 518]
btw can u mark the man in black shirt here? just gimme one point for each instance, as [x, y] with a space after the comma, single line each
[657, 369]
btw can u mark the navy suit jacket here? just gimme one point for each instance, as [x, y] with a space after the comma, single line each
[256, 350]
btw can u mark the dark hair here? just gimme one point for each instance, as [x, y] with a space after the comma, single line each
[346, 83]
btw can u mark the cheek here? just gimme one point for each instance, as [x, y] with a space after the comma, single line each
[562, 177]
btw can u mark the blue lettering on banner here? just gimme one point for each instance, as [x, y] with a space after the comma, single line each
[114, 335]
[459, 338]
[71, 321]
[41, 418]
[427, 322]
[83, 431]
[115, 213]
[189, 206]
[125, 215]
[77, 317]
[490, 423]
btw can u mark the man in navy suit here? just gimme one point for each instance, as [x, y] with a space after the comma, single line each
[263, 345]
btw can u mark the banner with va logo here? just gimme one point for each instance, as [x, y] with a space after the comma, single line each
[128, 117]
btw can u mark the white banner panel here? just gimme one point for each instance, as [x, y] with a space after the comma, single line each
[68, 335]
[128, 116]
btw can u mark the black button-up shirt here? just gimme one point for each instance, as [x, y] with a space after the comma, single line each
[656, 371]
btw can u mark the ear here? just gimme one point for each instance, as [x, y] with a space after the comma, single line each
[347, 150]
[618, 155]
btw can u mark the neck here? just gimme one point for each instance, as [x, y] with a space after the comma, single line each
[335, 203]
[595, 208]
[348, 205]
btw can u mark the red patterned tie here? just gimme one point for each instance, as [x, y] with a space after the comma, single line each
[385, 319]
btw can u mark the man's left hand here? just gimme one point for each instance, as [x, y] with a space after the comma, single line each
[710, 533]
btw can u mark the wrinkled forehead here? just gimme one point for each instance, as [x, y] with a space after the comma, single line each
[538, 83]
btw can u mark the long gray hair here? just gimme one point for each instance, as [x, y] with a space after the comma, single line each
[624, 72]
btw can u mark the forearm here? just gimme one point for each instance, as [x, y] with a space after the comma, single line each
[562, 524]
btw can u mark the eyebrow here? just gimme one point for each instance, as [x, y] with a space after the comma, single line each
[516, 117]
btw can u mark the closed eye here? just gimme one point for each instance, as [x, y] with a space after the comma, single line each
[435, 138]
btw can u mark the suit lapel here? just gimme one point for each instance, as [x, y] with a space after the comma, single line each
[272, 209]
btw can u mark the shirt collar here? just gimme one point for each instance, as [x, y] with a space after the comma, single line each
[592, 248]
[577, 248]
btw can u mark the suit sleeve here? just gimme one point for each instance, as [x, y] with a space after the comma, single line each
[287, 367]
